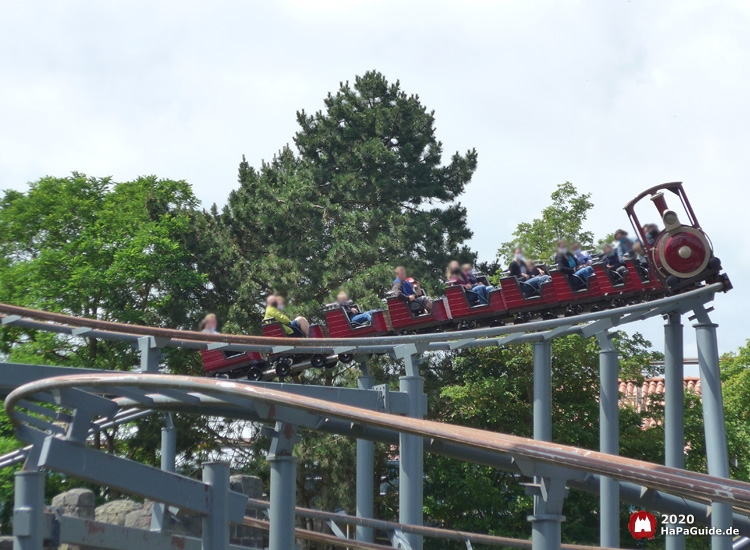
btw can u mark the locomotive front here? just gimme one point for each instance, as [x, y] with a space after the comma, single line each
[681, 253]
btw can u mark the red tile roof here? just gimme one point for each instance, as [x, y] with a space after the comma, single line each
[641, 396]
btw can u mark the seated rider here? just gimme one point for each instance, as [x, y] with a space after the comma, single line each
[530, 283]
[569, 265]
[537, 272]
[418, 290]
[651, 230]
[581, 255]
[209, 324]
[468, 270]
[275, 312]
[624, 244]
[356, 317]
[403, 289]
[639, 254]
[613, 262]
[641, 260]
[476, 292]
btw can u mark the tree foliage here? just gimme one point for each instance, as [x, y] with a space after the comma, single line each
[563, 219]
[367, 190]
[94, 248]
[492, 389]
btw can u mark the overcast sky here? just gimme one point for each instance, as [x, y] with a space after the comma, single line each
[614, 96]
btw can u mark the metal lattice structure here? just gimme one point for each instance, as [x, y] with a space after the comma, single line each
[56, 409]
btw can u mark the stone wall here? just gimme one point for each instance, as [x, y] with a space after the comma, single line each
[81, 503]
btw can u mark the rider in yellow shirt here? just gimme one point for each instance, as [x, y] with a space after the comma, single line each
[275, 312]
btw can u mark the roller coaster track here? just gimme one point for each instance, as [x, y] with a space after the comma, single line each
[232, 400]
[587, 324]
[121, 395]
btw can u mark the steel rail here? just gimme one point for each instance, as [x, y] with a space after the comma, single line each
[625, 314]
[325, 538]
[670, 480]
[431, 532]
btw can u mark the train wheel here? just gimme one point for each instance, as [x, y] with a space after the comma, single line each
[346, 357]
[318, 361]
[283, 366]
[254, 373]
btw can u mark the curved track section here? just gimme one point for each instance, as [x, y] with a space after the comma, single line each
[232, 400]
[587, 324]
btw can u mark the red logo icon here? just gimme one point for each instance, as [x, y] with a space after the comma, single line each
[642, 525]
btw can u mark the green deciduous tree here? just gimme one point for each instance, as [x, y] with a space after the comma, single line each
[563, 219]
[492, 389]
[94, 248]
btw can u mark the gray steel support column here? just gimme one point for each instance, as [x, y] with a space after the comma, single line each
[609, 440]
[283, 497]
[168, 460]
[674, 406]
[411, 455]
[150, 354]
[365, 468]
[28, 510]
[216, 525]
[713, 420]
[546, 520]
[543, 391]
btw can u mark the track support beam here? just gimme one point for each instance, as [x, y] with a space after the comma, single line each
[216, 524]
[549, 492]
[283, 488]
[411, 455]
[674, 405]
[365, 467]
[717, 453]
[168, 464]
[28, 510]
[609, 439]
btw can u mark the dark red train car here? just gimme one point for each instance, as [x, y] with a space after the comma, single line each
[616, 286]
[466, 314]
[339, 325]
[234, 364]
[284, 362]
[575, 300]
[404, 321]
[519, 305]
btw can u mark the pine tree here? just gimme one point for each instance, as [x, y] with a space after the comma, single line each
[366, 192]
